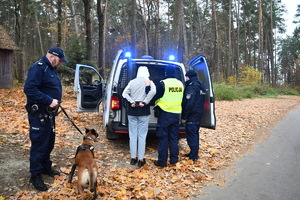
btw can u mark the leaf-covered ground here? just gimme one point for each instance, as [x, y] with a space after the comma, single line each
[240, 125]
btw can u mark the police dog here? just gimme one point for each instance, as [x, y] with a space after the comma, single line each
[87, 166]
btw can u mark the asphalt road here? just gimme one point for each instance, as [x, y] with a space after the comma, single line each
[272, 172]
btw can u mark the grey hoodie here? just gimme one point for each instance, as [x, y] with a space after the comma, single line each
[135, 92]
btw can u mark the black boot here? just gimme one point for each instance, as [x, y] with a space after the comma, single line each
[52, 172]
[156, 163]
[38, 183]
[133, 161]
[141, 162]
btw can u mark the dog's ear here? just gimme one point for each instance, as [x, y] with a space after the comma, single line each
[94, 132]
[87, 130]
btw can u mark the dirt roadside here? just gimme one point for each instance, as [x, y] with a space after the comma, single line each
[240, 125]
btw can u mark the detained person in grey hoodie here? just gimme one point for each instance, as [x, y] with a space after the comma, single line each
[139, 93]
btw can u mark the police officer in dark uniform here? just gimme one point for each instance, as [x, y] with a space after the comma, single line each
[170, 93]
[44, 92]
[192, 111]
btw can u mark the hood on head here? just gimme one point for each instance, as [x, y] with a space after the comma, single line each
[143, 72]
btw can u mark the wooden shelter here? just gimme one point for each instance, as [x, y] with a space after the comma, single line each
[7, 47]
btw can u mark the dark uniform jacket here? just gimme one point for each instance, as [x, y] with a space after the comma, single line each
[193, 100]
[42, 85]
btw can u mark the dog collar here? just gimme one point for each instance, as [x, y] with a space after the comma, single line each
[84, 147]
[88, 137]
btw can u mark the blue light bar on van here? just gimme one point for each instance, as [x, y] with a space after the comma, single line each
[147, 57]
[127, 54]
[171, 57]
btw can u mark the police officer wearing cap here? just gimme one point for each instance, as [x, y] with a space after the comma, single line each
[43, 90]
[192, 111]
[170, 93]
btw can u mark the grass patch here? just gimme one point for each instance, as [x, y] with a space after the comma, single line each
[232, 92]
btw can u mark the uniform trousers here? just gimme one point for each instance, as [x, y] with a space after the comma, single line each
[167, 132]
[42, 143]
[192, 136]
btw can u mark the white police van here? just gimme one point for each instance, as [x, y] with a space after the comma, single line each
[91, 91]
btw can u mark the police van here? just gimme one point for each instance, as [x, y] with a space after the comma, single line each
[91, 90]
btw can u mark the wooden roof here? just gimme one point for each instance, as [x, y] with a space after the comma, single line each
[5, 41]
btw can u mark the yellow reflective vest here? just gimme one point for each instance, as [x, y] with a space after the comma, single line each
[171, 101]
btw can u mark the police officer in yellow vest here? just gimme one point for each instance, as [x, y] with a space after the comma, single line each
[170, 93]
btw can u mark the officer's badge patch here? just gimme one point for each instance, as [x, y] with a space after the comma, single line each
[188, 96]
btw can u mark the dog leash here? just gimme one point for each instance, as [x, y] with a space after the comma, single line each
[64, 111]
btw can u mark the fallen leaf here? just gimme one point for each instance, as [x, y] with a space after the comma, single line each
[65, 170]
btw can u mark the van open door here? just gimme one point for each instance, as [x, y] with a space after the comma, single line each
[199, 65]
[88, 85]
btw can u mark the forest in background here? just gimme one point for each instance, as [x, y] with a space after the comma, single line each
[236, 36]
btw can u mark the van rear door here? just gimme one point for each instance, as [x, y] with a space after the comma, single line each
[88, 85]
[199, 65]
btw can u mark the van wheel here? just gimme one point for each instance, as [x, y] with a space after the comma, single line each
[111, 135]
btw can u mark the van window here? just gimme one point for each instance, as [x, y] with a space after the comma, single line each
[91, 87]
[123, 77]
[157, 73]
[203, 74]
[88, 76]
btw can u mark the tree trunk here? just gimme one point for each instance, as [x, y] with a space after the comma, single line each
[245, 35]
[88, 28]
[101, 48]
[157, 48]
[216, 43]
[169, 45]
[39, 32]
[22, 56]
[260, 38]
[229, 64]
[146, 40]
[267, 73]
[272, 47]
[238, 39]
[196, 36]
[179, 36]
[132, 17]
[185, 44]
[59, 20]
[74, 18]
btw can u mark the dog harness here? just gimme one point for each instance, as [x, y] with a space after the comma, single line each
[84, 147]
